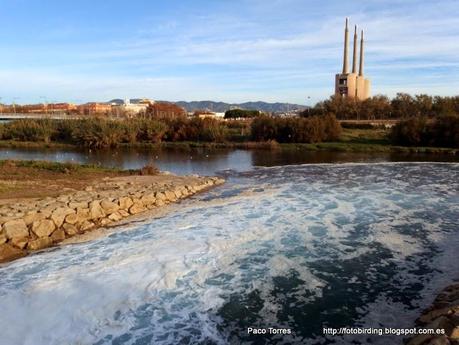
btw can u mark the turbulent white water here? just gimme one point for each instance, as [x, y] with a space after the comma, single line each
[300, 247]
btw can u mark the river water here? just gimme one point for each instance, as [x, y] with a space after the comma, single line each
[299, 247]
[210, 161]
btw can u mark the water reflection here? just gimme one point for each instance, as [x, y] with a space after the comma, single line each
[208, 161]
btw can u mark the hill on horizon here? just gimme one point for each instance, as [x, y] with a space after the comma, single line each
[221, 107]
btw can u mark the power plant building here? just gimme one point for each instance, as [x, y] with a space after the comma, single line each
[352, 85]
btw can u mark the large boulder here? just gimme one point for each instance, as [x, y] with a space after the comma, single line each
[58, 236]
[33, 216]
[160, 196]
[8, 253]
[72, 218]
[104, 221]
[83, 214]
[43, 228]
[190, 189]
[15, 229]
[70, 229]
[170, 196]
[78, 204]
[148, 199]
[59, 214]
[86, 226]
[95, 210]
[109, 206]
[3, 238]
[19, 242]
[125, 203]
[115, 216]
[40, 243]
[137, 208]
[123, 213]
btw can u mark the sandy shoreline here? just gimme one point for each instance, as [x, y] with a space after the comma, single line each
[31, 224]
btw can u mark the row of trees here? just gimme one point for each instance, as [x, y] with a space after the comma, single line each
[381, 107]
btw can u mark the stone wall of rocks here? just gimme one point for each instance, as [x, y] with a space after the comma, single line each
[32, 225]
[443, 314]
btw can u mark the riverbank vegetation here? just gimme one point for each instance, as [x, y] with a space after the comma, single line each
[319, 132]
[313, 129]
[101, 133]
[442, 131]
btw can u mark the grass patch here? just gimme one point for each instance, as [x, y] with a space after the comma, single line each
[57, 167]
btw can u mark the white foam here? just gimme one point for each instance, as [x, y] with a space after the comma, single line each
[183, 267]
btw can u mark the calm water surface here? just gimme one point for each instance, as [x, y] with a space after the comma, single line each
[210, 161]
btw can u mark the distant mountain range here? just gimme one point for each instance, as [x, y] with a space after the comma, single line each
[221, 107]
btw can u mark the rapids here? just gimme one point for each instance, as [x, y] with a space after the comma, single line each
[300, 247]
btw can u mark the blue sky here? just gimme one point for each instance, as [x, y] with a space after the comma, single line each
[233, 51]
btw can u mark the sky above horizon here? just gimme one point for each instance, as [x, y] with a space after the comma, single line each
[231, 51]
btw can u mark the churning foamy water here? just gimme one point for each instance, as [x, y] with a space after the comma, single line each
[298, 247]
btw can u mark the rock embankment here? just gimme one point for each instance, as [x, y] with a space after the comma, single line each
[32, 224]
[442, 315]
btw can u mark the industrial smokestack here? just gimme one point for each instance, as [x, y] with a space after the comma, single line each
[354, 54]
[346, 35]
[361, 55]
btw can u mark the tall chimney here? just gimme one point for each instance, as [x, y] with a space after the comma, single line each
[346, 34]
[361, 55]
[354, 54]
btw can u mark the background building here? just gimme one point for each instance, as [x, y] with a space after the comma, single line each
[130, 107]
[352, 85]
[92, 108]
[164, 110]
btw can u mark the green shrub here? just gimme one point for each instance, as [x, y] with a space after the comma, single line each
[151, 131]
[442, 131]
[30, 130]
[296, 129]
